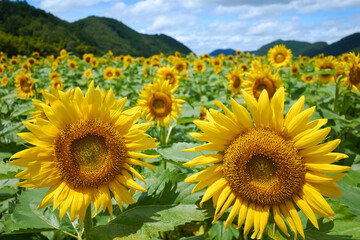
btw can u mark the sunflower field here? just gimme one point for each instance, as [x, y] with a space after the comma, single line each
[180, 147]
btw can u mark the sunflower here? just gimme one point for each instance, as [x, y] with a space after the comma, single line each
[72, 64]
[235, 77]
[158, 102]
[2, 69]
[54, 65]
[199, 66]
[243, 67]
[109, 73]
[26, 66]
[324, 63]
[56, 83]
[295, 69]
[168, 74]
[87, 57]
[267, 166]
[24, 85]
[13, 61]
[203, 113]
[94, 62]
[84, 151]
[36, 54]
[307, 79]
[4, 81]
[279, 56]
[352, 78]
[88, 73]
[118, 72]
[260, 78]
[54, 75]
[239, 53]
[180, 66]
[63, 53]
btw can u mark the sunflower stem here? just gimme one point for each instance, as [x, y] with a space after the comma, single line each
[163, 142]
[87, 223]
[336, 93]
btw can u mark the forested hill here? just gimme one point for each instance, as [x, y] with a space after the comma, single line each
[25, 29]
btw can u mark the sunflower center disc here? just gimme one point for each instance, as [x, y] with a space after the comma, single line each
[354, 75]
[160, 104]
[89, 153]
[263, 168]
[261, 84]
[279, 58]
[236, 81]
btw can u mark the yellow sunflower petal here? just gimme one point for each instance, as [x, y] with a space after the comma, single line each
[204, 160]
[279, 220]
[326, 168]
[307, 210]
[242, 115]
[316, 200]
[312, 139]
[249, 218]
[294, 110]
[234, 211]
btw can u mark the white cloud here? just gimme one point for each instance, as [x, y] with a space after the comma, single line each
[59, 6]
[206, 25]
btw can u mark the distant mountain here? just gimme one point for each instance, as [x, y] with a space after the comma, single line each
[25, 29]
[226, 52]
[350, 43]
[111, 34]
[296, 46]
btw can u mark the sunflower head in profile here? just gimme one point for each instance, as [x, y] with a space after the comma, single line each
[272, 164]
[24, 84]
[158, 103]
[307, 79]
[199, 66]
[168, 74]
[279, 56]
[54, 75]
[109, 73]
[326, 63]
[235, 77]
[84, 151]
[352, 71]
[260, 78]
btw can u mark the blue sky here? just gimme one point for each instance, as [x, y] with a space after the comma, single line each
[206, 25]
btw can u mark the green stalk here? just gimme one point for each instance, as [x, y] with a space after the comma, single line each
[163, 142]
[336, 94]
[87, 223]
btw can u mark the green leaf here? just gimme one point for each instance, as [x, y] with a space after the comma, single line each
[175, 154]
[218, 232]
[350, 188]
[145, 222]
[7, 170]
[27, 219]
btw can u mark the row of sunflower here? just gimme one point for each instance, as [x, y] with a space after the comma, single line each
[131, 145]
